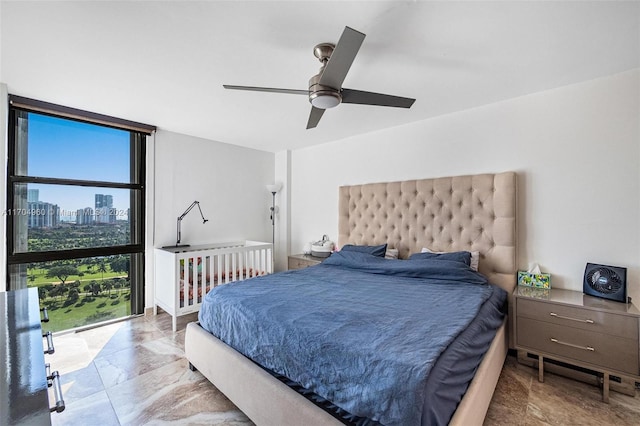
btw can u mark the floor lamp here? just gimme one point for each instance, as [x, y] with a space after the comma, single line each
[273, 189]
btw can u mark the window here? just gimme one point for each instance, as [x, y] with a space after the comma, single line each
[75, 217]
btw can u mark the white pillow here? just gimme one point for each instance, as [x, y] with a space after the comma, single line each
[391, 254]
[475, 256]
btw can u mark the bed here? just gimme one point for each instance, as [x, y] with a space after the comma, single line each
[472, 213]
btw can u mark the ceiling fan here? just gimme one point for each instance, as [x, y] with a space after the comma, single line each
[325, 88]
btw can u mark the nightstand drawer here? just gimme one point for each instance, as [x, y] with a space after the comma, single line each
[615, 353]
[586, 319]
[299, 263]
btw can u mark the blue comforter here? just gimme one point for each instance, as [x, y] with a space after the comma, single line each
[360, 331]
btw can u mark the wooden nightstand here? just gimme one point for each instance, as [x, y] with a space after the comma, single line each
[299, 261]
[572, 327]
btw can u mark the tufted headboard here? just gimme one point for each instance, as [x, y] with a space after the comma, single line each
[473, 213]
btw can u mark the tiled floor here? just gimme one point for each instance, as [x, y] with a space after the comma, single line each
[520, 399]
[134, 373]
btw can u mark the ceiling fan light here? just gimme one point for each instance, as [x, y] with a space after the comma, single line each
[325, 100]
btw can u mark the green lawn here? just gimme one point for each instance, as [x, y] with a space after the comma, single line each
[87, 296]
[87, 310]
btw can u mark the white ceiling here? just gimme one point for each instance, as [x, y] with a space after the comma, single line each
[164, 63]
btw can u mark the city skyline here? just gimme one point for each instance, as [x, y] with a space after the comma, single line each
[87, 199]
[102, 212]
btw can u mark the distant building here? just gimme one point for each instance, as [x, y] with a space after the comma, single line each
[104, 209]
[42, 215]
[33, 195]
[84, 216]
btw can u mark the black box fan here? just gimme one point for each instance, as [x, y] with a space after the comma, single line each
[609, 282]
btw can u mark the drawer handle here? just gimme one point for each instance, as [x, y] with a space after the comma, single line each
[586, 348]
[45, 315]
[50, 348]
[57, 390]
[588, 321]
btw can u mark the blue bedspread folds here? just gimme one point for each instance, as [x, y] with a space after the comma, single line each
[360, 331]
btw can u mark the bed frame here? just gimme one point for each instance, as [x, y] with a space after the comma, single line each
[474, 213]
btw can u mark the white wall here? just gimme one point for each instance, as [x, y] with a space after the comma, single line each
[227, 180]
[576, 150]
[4, 103]
[283, 209]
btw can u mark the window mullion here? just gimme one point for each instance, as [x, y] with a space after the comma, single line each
[44, 256]
[74, 182]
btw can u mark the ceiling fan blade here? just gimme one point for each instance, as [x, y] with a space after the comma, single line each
[350, 96]
[314, 117]
[267, 89]
[342, 57]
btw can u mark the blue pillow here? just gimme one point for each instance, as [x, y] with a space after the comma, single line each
[456, 256]
[374, 250]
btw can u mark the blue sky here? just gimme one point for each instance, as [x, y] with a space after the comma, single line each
[69, 149]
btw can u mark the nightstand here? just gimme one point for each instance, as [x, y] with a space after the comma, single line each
[299, 261]
[577, 329]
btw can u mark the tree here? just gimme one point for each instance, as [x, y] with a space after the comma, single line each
[102, 268]
[64, 288]
[56, 291]
[62, 272]
[73, 294]
[108, 285]
[117, 284]
[125, 284]
[88, 288]
[120, 264]
[42, 293]
[95, 287]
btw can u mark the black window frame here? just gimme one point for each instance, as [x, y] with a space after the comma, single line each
[19, 105]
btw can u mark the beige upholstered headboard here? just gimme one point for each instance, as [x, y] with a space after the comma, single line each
[473, 213]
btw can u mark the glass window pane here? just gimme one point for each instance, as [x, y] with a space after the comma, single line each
[49, 215]
[60, 217]
[79, 292]
[66, 149]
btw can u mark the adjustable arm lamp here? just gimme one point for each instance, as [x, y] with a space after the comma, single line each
[179, 222]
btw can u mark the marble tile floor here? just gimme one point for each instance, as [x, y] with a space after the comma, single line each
[134, 373]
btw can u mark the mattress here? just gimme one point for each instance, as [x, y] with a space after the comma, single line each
[372, 336]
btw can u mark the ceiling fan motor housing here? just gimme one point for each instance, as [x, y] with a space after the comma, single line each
[323, 97]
